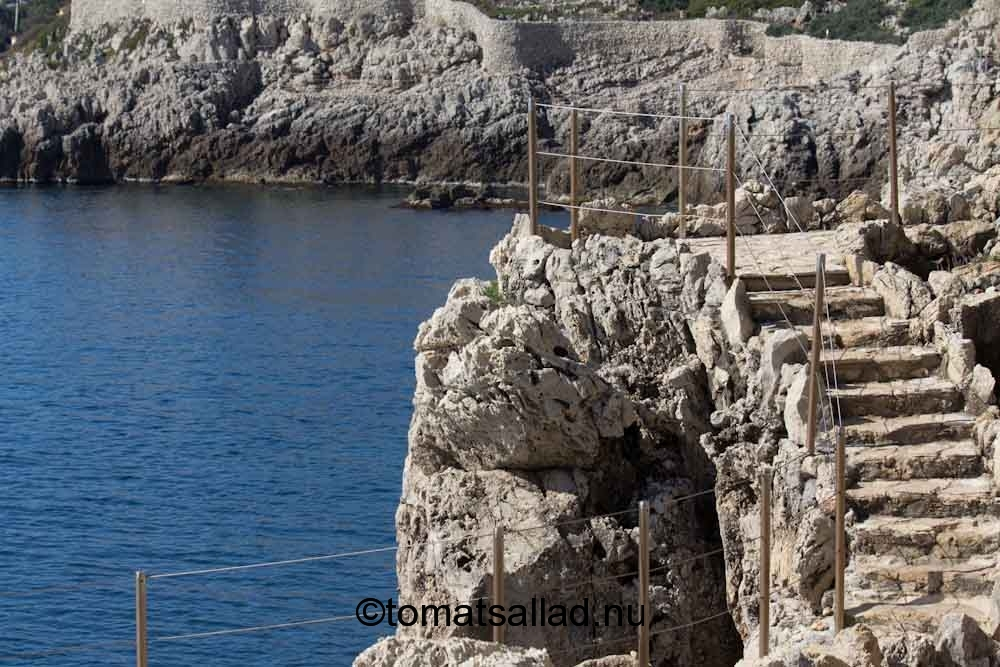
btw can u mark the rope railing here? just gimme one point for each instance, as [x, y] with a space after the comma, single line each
[616, 112]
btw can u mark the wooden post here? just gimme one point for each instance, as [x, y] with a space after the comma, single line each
[764, 634]
[644, 607]
[731, 196]
[498, 576]
[893, 155]
[532, 166]
[574, 175]
[682, 165]
[840, 544]
[815, 359]
[141, 636]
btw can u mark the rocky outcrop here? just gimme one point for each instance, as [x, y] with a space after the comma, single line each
[437, 92]
[573, 390]
[449, 653]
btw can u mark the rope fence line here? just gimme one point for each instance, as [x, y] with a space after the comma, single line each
[634, 163]
[276, 563]
[615, 112]
[256, 628]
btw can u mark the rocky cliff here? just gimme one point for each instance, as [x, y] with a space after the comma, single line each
[436, 91]
[624, 367]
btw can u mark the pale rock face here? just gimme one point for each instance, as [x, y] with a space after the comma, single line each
[797, 406]
[736, 320]
[534, 411]
[909, 650]
[905, 294]
[396, 652]
[855, 646]
[859, 207]
[781, 348]
[875, 240]
[960, 642]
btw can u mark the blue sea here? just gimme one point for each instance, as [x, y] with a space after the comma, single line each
[196, 377]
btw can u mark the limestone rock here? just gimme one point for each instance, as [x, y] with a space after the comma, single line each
[905, 294]
[398, 652]
[736, 320]
[781, 347]
[960, 642]
[797, 406]
[993, 618]
[859, 207]
[855, 646]
[877, 241]
[909, 650]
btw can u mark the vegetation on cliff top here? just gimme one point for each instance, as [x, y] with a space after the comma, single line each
[41, 25]
[858, 20]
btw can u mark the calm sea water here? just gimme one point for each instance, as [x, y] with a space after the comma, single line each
[201, 377]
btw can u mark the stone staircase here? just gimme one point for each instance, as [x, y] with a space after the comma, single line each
[926, 536]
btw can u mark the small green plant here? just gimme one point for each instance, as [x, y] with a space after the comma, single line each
[493, 293]
[781, 30]
[858, 21]
[931, 14]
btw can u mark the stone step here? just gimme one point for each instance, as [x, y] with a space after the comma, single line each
[917, 428]
[863, 332]
[916, 613]
[765, 282]
[898, 397]
[885, 576]
[870, 364]
[845, 303]
[927, 537]
[935, 497]
[960, 458]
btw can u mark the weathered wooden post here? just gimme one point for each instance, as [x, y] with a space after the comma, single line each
[893, 155]
[644, 607]
[574, 175]
[682, 165]
[731, 196]
[840, 543]
[815, 358]
[764, 636]
[141, 635]
[532, 166]
[499, 631]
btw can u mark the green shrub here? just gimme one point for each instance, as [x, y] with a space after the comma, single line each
[736, 8]
[781, 30]
[492, 292]
[858, 21]
[930, 14]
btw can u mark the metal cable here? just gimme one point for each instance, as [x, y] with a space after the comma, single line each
[257, 628]
[625, 162]
[613, 112]
[253, 566]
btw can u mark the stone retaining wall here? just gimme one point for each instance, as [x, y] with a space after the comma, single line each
[512, 45]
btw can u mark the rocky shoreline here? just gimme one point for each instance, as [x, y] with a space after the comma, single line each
[434, 95]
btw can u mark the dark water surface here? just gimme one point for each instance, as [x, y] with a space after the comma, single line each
[195, 377]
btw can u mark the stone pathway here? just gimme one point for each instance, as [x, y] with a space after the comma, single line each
[927, 531]
[775, 254]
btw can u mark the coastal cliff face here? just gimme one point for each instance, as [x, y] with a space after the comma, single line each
[573, 392]
[624, 367]
[437, 92]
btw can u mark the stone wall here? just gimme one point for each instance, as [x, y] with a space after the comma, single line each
[511, 45]
[88, 14]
